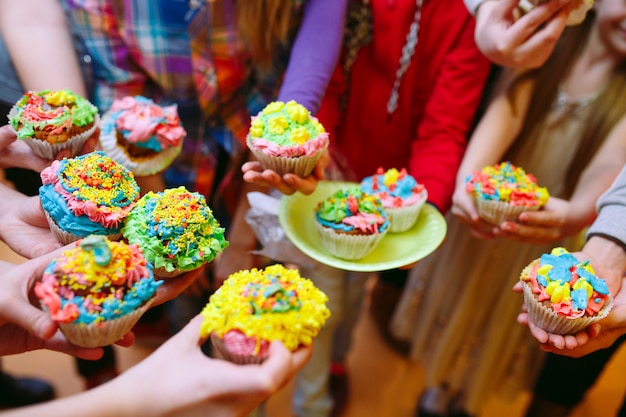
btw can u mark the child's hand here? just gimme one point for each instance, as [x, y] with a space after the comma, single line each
[288, 184]
[465, 211]
[556, 220]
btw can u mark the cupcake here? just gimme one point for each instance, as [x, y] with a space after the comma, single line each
[176, 231]
[51, 121]
[141, 135]
[97, 290]
[254, 307]
[351, 223]
[285, 138]
[87, 195]
[502, 191]
[401, 195]
[563, 295]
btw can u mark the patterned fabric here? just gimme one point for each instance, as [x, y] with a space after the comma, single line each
[186, 53]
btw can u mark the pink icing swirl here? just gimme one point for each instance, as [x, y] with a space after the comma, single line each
[143, 119]
[366, 222]
[306, 149]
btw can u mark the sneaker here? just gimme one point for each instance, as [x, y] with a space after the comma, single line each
[19, 392]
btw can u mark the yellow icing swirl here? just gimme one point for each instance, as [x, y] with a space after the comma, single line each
[234, 306]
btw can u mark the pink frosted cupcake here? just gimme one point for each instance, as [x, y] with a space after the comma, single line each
[503, 191]
[285, 138]
[563, 295]
[141, 135]
[97, 290]
[401, 195]
[254, 307]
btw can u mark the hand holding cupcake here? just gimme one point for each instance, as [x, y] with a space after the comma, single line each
[50, 121]
[97, 290]
[563, 295]
[255, 307]
[503, 191]
[285, 138]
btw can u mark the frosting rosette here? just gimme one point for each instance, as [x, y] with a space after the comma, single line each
[255, 307]
[97, 290]
[563, 294]
[285, 137]
[85, 195]
[176, 231]
[142, 135]
[502, 191]
[351, 223]
[401, 195]
[50, 121]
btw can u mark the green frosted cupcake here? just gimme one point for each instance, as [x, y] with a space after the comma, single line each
[176, 231]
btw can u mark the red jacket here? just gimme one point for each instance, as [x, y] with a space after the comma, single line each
[439, 94]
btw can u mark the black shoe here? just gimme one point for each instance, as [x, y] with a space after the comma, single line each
[339, 391]
[18, 392]
[383, 299]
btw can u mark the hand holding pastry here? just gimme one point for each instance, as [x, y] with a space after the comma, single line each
[254, 173]
[526, 42]
[23, 326]
[24, 225]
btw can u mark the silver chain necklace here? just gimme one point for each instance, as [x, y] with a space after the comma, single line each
[407, 54]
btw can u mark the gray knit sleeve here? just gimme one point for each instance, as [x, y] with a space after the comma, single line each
[611, 220]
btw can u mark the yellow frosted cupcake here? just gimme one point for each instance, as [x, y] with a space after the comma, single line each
[254, 307]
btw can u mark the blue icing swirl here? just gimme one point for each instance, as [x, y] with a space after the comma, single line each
[564, 260]
[598, 284]
[403, 187]
[56, 207]
[579, 298]
[559, 273]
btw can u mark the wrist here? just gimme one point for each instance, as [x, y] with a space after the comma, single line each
[608, 256]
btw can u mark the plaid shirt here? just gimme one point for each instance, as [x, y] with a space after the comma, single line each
[184, 52]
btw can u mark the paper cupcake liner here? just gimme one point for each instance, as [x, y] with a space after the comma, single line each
[49, 151]
[104, 333]
[548, 320]
[161, 272]
[238, 359]
[65, 238]
[496, 212]
[402, 219]
[301, 166]
[347, 246]
[149, 165]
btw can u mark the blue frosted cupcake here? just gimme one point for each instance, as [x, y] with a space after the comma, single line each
[401, 195]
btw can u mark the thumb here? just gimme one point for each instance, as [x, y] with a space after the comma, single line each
[7, 136]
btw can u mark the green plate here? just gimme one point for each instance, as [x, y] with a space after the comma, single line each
[296, 215]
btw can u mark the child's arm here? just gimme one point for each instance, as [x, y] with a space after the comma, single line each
[493, 136]
[562, 218]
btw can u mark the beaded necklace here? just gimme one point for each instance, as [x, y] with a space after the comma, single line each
[359, 33]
